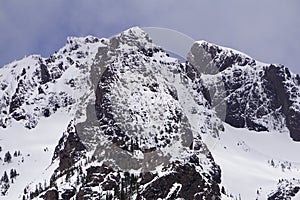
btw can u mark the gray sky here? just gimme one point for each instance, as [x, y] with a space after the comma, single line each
[267, 30]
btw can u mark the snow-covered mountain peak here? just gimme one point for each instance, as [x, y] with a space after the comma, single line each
[118, 118]
[209, 45]
[252, 94]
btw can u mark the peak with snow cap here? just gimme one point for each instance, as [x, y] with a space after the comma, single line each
[118, 118]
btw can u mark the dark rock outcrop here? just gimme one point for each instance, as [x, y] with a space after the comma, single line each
[69, 149]
[68, 194]
[190, 185]
[45, 75]
[51, 195]
[286, 189]
[276, 78]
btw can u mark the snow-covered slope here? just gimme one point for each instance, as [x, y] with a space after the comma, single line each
[253, 163]
[118, 118]
[36, 148]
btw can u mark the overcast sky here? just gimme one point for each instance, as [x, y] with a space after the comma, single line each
[267, 30]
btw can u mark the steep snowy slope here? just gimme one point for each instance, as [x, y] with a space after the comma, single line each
[118, 118]
[39, 97]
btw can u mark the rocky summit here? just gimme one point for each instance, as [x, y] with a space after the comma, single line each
[119, 118]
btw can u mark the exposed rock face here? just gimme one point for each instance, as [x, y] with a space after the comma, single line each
[103, 176]
[286, 189]
[70, 149]
[69, 193]
[179, 181]
[106, 112]
[283, 90]
[258, 96]
[45, 75]
[185, 182]
[51, 195]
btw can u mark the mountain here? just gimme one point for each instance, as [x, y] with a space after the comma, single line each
[119, 119]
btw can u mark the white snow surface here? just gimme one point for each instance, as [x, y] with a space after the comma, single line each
[245, 160]
[36, 147]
